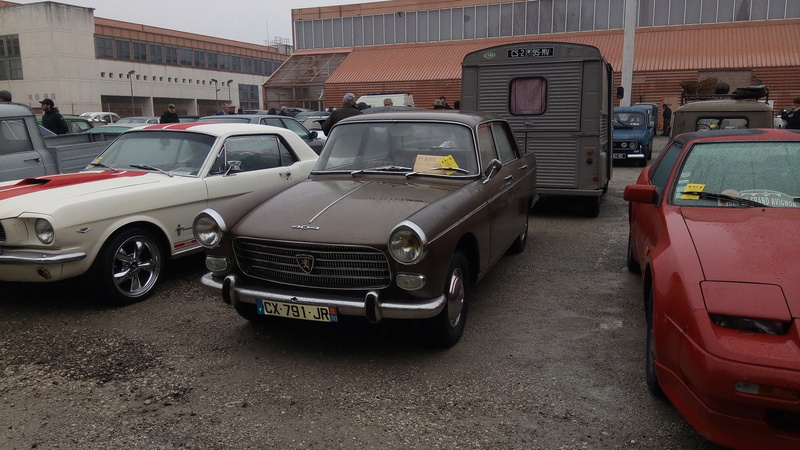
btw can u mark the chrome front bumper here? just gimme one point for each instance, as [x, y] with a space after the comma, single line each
[370, 305]
[31, 257]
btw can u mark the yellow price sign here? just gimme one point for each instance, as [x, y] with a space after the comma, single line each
[426, 163]
[693, 187]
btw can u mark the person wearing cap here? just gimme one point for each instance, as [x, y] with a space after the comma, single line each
[348, 109]
[169, 116]
[52, 119]
[5, 96]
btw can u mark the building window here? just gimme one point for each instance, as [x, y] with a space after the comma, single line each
[10, 57]
[105, 47]
[212, 60]
[186, 56]
[199, 58]
[528, 96]
[247, 65]
[139, 51]
[224, 62]
[123, 49]
[236, 63]
[156, 54]
[171, 55]
[248, 96]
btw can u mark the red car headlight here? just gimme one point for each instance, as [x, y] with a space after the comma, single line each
[748, 307]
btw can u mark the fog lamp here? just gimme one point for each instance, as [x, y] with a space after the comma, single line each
[747, 387]
[410, 281]
[217, 263]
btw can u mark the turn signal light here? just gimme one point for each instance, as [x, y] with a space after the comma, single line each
[746, 387]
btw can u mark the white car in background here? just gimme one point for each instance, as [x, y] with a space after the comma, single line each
[119, 221]
[101, 118]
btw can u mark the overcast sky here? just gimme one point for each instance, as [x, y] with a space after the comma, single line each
[251, 21]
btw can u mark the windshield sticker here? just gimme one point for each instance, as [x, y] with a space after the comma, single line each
[433, 163]
[693, 187]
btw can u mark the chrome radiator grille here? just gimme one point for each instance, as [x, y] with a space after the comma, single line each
[313, 265]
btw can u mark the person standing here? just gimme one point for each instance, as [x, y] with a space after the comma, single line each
[169, 116]
[388, 102]
[52, 119]
[348, 109]
[284, 111]
[5, 96]
[793, 116]
[227, 109]
[667, 115]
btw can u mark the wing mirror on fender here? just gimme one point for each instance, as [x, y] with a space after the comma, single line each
[640, 193]
[494, 166]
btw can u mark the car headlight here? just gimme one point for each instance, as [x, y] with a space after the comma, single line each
[633, 145]
[44, 231]
[407, 243]
[208, 228]
[623, 145]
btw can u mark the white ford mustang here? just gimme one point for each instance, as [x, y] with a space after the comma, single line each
[131, 210]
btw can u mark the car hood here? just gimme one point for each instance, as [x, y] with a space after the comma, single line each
[755, 245]
[44, 194]
[357, 211]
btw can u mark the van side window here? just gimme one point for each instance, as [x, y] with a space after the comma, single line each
[528, 96]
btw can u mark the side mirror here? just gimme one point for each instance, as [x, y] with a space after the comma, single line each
[233, 167]
[640, 193]
[620, 92]
[314, 134]
[494, 166]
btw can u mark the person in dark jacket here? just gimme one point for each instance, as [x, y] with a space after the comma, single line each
[667, 115]
[5, 96]
[169, 116]
[792, 116]
[52, 119]
[348, 109]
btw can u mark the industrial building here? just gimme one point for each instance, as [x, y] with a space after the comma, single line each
[87, 63]
[417, 46]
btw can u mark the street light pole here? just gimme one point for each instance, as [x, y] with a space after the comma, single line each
[216, 91]
[229, 90]
[133, 106]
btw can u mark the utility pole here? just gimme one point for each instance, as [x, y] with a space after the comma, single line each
[133, 106]
[216, 93]
[631, 7]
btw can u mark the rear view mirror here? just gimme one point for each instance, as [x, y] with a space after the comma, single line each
[620, 92]
[640, 193]
[494, 166]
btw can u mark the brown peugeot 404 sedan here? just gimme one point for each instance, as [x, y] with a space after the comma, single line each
[402, 214]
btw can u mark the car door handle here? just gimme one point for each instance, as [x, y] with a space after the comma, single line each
[38, 159]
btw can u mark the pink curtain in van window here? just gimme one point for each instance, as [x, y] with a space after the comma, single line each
[528, 96]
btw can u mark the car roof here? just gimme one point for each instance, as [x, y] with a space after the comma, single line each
[469, 118]
[726, 105]
[217, 129]
[739, 134]
[633, 108]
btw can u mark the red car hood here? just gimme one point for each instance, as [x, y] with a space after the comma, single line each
[756, 245]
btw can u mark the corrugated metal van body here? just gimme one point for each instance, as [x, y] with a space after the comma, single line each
[571, 136]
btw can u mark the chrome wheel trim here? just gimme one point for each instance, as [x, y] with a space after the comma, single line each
[455, 297]
[136, 266]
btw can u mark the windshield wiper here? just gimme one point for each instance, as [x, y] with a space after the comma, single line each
[455, 169]
[382, 169]
[149, 167]
[713, 196]
[99, 164]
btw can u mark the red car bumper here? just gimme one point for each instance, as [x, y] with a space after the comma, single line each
[702, 389]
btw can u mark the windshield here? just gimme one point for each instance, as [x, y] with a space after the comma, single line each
[740, 174]
[628, 120]
[400, 147]
[179, 152]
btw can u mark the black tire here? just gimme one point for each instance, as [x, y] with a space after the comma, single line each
[650, 153]
[591, 206]
[651, 376]
[447, 327]
[643, 161]
[518, 246]
[248, 311]
[633, 266]
[129, 266]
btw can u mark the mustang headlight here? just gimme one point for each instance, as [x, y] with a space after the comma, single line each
[44, 231]
[208, 228]
[407, 243]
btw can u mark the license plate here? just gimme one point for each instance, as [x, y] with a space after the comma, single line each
[296, 311]
[619, 156]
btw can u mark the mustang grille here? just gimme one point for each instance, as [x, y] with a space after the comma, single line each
[313, 265]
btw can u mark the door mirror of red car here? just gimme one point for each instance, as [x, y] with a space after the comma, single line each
[640, 193]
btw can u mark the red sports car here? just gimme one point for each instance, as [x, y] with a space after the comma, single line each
[715, 233]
